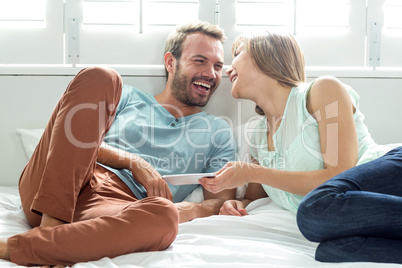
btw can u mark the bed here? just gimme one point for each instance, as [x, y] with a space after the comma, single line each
[268, 237]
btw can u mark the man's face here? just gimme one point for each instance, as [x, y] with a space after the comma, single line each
[199, 71]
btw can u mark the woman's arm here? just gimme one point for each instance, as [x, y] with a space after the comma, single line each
[330, 104]
[238, 207]
[210, 206]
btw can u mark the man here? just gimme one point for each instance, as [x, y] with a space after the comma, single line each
[92, 199]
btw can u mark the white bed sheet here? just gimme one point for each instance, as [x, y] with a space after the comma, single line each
[268, 237]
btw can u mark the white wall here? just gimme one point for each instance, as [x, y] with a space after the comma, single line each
[28, 98]
[380, 102]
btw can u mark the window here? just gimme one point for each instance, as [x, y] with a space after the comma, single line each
[103, 13]
[120, 31]
[138, 14]
[327, 16]
[391, 34]
[260, 15]
[392, 15]
[33, 30]
[332, 33]
[322, 16]
[32, 15]
[169, 13]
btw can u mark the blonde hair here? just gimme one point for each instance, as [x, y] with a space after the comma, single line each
[276, 55]
[175, 40]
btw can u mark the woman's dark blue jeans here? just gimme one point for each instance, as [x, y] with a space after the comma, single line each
[357, 215]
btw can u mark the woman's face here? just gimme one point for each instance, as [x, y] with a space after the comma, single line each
[243, 73]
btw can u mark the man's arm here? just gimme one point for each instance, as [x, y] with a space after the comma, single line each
[141, 170]
[115, 158]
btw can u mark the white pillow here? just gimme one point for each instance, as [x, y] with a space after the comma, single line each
[30, 139]
[242, 135]
[243, 149]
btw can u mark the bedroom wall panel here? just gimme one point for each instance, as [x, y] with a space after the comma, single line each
[28, 100]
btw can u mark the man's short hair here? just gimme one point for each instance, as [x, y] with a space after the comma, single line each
[174, 42]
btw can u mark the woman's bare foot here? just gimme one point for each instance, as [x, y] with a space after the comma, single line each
[4, 250]
[48, 221]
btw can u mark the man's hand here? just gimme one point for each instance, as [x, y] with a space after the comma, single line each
[141, 170]
[150, 178]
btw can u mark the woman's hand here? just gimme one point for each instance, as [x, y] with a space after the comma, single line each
[232, 175]
[150, 178]
[233, 208]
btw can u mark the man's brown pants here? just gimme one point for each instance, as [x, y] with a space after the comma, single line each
[62, 180]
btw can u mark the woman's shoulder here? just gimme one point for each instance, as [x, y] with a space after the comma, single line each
[327, 85]
[325, 90]
[321, 85]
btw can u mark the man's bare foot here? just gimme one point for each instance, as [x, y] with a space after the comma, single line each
[48, 221]
[4, 250]
[186, 211]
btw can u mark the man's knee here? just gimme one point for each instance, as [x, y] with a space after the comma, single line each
[102, 81]
[167, 212]
[99, 72]
[164, 221]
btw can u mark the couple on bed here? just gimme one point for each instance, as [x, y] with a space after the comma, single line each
[93, 186]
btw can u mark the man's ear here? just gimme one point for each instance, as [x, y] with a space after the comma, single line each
[169, 61]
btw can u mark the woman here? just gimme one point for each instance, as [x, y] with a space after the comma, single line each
[310, 133]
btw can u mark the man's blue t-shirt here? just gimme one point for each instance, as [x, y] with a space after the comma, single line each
[197, 143]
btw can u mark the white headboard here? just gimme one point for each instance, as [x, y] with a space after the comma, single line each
[28, 99]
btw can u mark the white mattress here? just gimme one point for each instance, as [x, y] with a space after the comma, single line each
[268, 237]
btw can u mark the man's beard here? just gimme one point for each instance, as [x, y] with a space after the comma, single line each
[181, 90]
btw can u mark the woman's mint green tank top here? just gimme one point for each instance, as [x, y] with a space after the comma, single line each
[297, 143]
